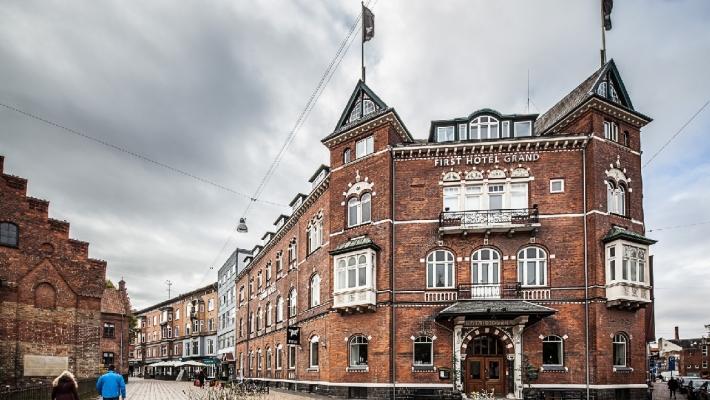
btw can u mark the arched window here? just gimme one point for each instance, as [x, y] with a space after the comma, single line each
[279, 356]
[315, 290]
[616, 197]
[552, 351]
[621, 199]
[484, 128]
[532, 266]
[610, 196]
[8, 234]
[358, 351]
[251, 322]
[268, 314]
[359, 210]
[485, 267]
[258, 319]
[356, 113]
[258, 359]
[346, 156]
[620, 344]
[279, 309]
[423, 351]
[292, 303]
[251, 360]
[368, 107]
[440, 269]
[313, 358]
[268, 358]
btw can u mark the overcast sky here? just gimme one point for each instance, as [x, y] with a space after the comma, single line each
[214, 87]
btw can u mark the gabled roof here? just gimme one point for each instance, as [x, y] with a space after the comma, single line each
[362, 91]
[608, 74]
[113, 302]
[621, 233]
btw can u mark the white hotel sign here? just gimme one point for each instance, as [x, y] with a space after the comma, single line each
[485, 160]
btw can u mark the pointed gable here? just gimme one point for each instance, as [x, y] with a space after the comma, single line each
[604, 84]
[353, 111]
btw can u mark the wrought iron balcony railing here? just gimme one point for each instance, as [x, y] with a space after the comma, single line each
[457, 221]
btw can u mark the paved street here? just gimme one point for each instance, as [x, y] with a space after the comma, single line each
[661, 392]
[150, 389]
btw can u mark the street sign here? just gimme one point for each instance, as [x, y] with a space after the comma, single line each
[293, 335]
[671, 363]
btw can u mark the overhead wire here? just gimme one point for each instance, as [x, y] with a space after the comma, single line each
[137, 155]
[678, 132]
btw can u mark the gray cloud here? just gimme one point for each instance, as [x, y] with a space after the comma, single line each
[215, 87]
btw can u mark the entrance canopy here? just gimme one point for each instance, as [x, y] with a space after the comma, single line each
[495, 309]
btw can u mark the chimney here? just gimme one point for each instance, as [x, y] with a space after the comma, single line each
[122, 286]
[677, 337]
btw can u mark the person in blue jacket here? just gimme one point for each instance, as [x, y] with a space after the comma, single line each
[111, 385]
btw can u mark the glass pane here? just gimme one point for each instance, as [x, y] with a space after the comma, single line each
[495, 273]
[475, 368]
[612, 269]
[362, 276]
[351, 278]
[531, 273]
[495, 202]
[440, 279]
[422, 354]
[352, 213]
[430, 275]
[449, 274]
[484, 273]
[366, 209]
[551, 353]
[522, 129]
[493, 369]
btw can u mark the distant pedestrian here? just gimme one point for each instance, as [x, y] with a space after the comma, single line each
[673, 387]
[201, 378]
[111, 385]
[65, 387]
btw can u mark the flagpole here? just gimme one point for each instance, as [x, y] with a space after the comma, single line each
[362, 42]
[603, 50]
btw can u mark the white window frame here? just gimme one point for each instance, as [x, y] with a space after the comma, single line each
[516, 124]
[445, 133]
[561, 351]
[356, 207]
[477, 125]
[279, 309]
[505, 129]
[463, 131]
[541, 265]
[619, 339]
[449, 265]
[315, 291]
[611, 131]
[559, 181]
[358, 341]
[347, 155]
[268, 358]
[292, 356]
[269, 312]
[491, 265]
[342, 271]
[292, 303]
[279, 357]
[364, 147]
[457, 196]
[419, 340]
[623, 263]
[313, 343]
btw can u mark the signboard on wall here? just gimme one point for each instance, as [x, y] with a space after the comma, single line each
[293, 335]
[45, 365]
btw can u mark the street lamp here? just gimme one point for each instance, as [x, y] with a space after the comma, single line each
[242, 227]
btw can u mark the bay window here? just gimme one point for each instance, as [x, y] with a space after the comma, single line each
[354, 271]
[626, 262]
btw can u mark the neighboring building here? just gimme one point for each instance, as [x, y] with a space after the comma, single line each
[503, 243]
[226, 319]
[115, 327]
[667, 349]
[182, 328]
[50, 292]
[694, 357]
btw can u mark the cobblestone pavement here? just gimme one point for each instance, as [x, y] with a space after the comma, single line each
[661, 392]
[150, 389]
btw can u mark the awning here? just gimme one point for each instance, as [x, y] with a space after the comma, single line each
[495, 309]
[227, 357]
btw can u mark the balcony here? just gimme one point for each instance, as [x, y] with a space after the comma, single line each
[504, 220]
[512, 290]
[355, 300]
[627, 295]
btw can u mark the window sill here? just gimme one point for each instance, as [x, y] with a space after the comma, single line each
[423, 368]
[553, 368]
[442, 288]
[361, 369]
[312, 369]
[626, 370]
[358, 225]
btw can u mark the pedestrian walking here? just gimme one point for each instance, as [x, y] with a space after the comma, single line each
[111, 385]
[672, 387]
[65, 387]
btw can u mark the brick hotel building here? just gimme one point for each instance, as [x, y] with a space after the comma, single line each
[505, 252]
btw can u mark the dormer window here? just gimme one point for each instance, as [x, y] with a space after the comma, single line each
[484, 128]
[445, 134]
[361, 109]
[523, 128]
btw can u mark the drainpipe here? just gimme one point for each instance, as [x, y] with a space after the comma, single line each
[586, 271]
[393, 251]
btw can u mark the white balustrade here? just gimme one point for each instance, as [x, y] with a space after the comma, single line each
[440, 296]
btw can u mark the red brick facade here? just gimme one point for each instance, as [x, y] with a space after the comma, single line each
[115, 327]
[50, 290]
[600, 321]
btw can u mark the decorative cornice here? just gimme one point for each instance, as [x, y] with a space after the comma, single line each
[595, 102]
[390, 116]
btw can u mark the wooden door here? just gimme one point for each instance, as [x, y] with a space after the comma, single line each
[485, 374]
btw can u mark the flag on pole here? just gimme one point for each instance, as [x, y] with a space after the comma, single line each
[368, 24]
[607, 5]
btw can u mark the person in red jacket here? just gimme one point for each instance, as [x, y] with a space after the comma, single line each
[65, 387]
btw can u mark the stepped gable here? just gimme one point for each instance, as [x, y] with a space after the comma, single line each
[48, 238]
